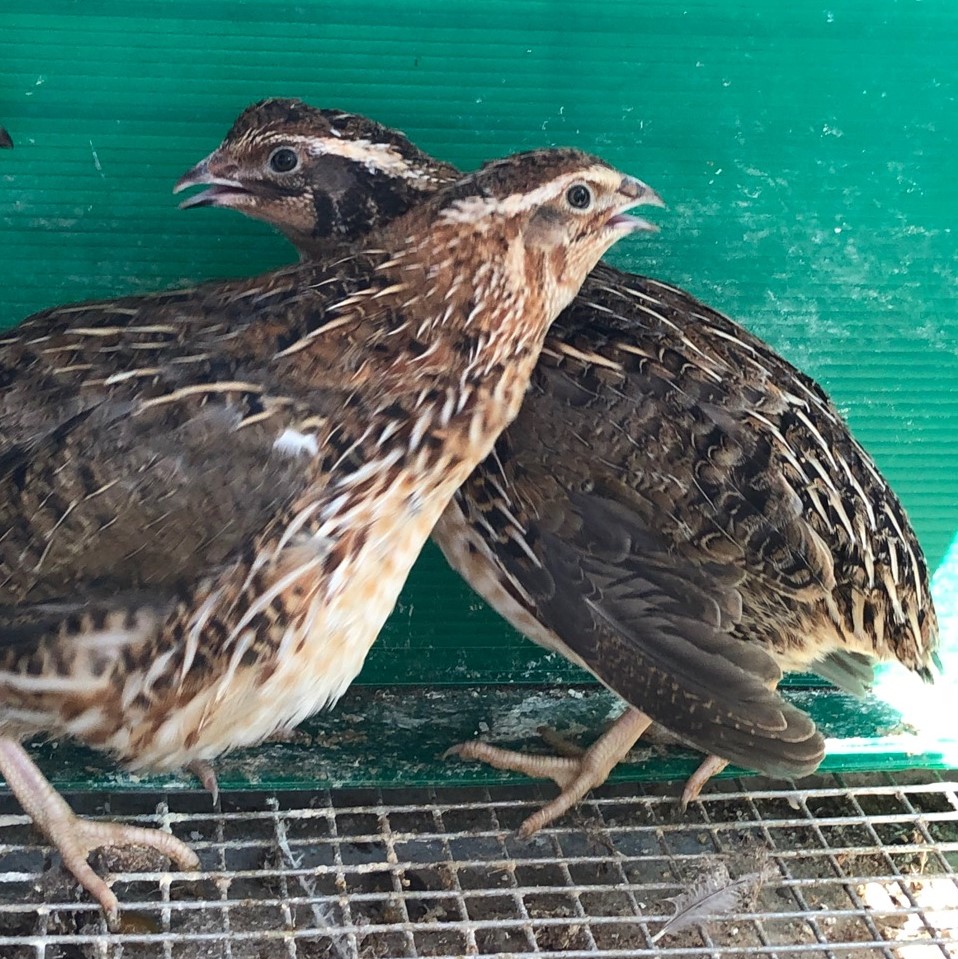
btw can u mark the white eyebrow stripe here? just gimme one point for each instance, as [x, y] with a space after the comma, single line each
[468, 209]
[376, 157]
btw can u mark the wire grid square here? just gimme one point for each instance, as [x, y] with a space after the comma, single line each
[857, 866]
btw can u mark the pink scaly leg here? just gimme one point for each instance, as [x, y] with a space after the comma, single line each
[74, 837]
[575, 775]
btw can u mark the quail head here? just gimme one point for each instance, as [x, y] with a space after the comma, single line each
[322, 416]
[316, 175]
[676, 509]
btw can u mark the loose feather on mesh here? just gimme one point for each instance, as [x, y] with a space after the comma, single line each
[713, 896]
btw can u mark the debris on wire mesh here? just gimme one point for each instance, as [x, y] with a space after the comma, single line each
[714, 895]
[323, 912]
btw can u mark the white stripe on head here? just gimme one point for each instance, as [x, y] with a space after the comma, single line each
[383, 158]
[470, 209]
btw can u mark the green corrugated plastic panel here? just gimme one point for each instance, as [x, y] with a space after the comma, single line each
[397, 737]
[806, 151]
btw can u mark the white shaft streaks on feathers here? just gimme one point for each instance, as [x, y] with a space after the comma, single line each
[193, 634]
[819, 439]
[262, 601]
[296, 524]
[198, 389]
[783, 443]
[912, 561]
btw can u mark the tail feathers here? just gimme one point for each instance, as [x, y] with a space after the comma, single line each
[753, 727]
[926, 672]
[853, 672]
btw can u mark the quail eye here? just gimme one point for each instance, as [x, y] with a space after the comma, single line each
[283, 160]
[579, 196]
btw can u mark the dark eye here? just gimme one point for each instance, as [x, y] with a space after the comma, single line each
[283, 160]
[579, 196]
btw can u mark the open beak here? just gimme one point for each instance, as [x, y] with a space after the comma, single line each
[221, 191]
[634, 193]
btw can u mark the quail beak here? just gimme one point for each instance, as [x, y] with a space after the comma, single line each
[6, 142]
[634, 193]
[222, 191]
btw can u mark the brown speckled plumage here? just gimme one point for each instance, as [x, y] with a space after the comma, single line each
[212, 497]
[676, 508]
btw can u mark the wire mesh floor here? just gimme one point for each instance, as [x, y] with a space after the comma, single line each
[850, 866]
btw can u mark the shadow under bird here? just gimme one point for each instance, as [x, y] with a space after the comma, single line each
[676, 509]
[210, 498]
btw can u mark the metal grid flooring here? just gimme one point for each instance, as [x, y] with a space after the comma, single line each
[856, 866]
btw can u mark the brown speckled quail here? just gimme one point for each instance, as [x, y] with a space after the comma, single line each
[211, 498]
[676, 509]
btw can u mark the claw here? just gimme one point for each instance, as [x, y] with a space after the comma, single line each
[205, 773]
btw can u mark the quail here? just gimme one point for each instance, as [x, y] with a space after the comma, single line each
[676, 509]
[212, 497]
[6, 141]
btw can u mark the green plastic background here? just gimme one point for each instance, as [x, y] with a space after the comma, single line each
[806, 152]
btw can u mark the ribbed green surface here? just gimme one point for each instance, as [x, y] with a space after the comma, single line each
[807, 155]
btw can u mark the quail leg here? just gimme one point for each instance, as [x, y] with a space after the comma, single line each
[74, 837]
[711, 766]
[575, 775]
[206, 774]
